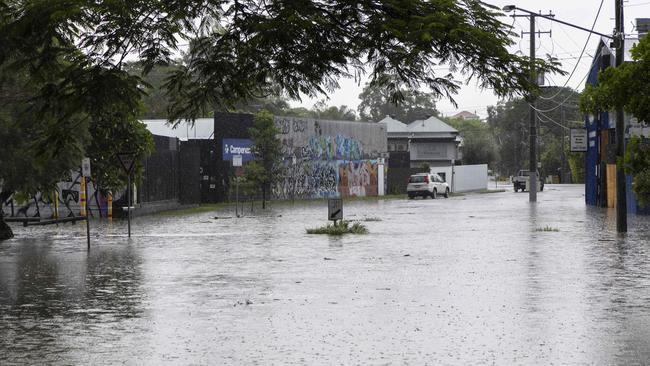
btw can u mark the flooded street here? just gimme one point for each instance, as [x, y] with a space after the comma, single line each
[474, 279]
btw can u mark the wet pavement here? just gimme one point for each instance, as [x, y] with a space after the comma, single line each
[459, 281]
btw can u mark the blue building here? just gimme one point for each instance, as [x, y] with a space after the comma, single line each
[600, 160]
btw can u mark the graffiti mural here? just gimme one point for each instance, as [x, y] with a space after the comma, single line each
[67, 195]
[328, 159]
[358, 178]
[333, 148]
[328, 179]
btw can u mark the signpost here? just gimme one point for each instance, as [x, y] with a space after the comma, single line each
[237, 163]
[579, 140]
[85, 173]
[127, 159]
[335, 209]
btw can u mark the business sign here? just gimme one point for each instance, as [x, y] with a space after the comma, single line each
[232, 147]
[85, 167]
[579, 140]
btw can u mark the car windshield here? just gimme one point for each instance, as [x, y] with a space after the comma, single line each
[417, 179]
[524, 173]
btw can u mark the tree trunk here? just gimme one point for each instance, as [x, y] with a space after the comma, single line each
[264, 197]
[5, 230]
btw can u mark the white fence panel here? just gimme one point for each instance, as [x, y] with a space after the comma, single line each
[464, 178]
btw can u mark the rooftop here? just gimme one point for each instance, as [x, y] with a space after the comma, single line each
[203, 128]
[431, 127]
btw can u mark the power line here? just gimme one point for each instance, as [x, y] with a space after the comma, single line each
[593, 25]
[564, 101]
[551, 120]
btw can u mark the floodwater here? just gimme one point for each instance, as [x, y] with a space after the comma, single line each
[459, 281]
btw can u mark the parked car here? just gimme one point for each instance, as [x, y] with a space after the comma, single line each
[519, 182]
[426, 185]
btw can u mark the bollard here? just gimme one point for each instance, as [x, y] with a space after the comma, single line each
[82, 197]
[109, 206]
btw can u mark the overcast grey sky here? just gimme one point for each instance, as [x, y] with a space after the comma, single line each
[565, 43]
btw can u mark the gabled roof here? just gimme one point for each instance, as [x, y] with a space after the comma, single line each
[393, 125]
[431, 125]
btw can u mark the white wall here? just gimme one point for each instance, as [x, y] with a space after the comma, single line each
[465, 177]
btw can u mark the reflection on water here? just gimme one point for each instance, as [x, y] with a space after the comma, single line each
[50, 294]
[467, 280]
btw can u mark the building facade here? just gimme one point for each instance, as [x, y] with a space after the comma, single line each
[429, 141]
[600, 159]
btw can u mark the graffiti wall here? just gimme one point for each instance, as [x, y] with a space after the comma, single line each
[66, 197]
[328, 159]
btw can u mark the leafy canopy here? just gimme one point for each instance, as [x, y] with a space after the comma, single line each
[62, 94]
[376, 104]
[250, 48]
[304, 47]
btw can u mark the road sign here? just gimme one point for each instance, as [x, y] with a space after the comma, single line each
[237, 160]
[85, 167]
[579, 140]
[127, 159]
[335, 209]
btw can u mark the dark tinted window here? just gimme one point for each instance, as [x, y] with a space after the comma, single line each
[417, 179]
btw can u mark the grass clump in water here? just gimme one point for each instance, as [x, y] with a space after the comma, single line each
[341, 228]
[547, 229]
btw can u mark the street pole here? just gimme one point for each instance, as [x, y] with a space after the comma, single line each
[87, 212]
[128, 209]
[621, 200]
[532, 178]
[562, 171]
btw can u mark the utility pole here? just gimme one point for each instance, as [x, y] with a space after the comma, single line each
[532, 178]
[621, 200]
[562, 171]
[532, 173]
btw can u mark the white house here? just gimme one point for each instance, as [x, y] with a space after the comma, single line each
[429, 141]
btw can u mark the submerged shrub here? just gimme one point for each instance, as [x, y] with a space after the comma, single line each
[341, 228]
